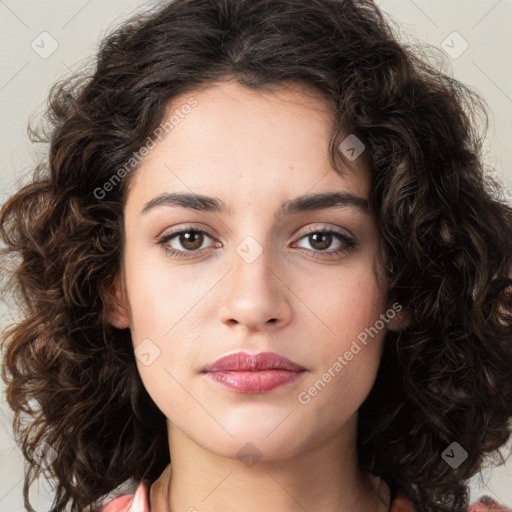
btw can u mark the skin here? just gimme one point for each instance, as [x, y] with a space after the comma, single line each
[253, 150]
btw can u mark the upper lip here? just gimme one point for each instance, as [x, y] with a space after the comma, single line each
[242, 361]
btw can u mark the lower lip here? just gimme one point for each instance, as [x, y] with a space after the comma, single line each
[255, 381]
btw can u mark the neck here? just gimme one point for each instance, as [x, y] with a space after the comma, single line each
[326, 478]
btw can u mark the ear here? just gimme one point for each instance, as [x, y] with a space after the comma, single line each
[115, 301]
[398, 317]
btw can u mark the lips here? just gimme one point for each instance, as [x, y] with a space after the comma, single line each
[252, 374]
[242, 361]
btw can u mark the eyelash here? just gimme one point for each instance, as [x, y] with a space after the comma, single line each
[349, 244]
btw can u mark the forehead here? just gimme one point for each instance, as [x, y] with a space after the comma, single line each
[239, 142]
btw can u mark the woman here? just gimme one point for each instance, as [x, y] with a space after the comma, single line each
[262, 256]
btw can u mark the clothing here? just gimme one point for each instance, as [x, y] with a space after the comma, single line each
[140, 501]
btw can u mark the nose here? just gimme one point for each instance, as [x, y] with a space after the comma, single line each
[255, 295]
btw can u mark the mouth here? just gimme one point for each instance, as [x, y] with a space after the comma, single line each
[254, 382]
[253, 374]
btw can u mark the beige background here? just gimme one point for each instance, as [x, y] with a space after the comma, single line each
[76, 27]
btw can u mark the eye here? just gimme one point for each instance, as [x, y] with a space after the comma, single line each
[190, 239]
[321, 239]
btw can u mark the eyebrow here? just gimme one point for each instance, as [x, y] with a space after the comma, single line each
[303, 203]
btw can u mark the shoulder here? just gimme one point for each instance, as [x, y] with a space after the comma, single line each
[487, 503]
[484, 504]
[138, 502]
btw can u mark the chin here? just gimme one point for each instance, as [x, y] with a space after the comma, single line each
[253, 444]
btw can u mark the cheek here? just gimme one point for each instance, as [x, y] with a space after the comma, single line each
[160, 296]
[156, 306]
[341, 383]
[349, 356]
[344, 305]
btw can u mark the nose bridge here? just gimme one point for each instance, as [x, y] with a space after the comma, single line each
[254, 289]
[253, 247]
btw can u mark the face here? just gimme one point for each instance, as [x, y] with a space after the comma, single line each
[238, 274]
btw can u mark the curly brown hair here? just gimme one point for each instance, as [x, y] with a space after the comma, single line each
[446, 376]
